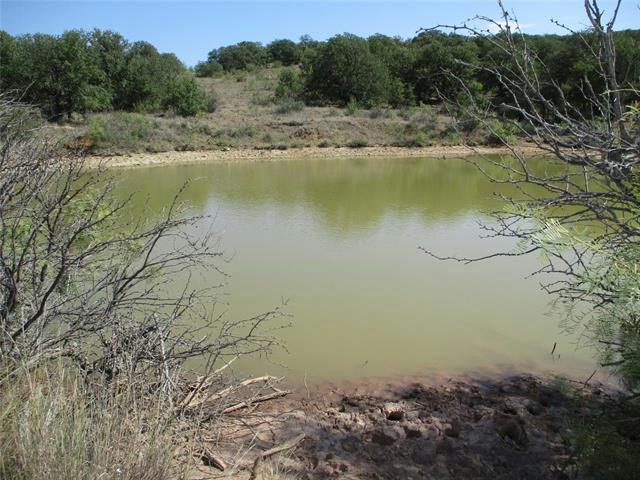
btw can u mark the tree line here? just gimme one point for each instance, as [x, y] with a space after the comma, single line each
[83, 72]
[95, 71]
[383, 70]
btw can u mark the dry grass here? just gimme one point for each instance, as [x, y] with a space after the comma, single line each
[53, 426]
[247, 117]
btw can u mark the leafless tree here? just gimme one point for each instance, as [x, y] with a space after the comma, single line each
[82, 279]
[582, 176]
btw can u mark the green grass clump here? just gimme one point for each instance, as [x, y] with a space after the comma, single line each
[358, 143]
[289, 105]
[380, 113]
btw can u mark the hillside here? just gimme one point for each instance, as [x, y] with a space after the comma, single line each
[246, 116]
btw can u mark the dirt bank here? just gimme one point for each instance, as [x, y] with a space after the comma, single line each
[513, 428]
[253, 155]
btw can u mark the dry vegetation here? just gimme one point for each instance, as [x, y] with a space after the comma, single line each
[248, 117]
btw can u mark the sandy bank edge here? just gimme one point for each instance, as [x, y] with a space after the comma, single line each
[306, 153]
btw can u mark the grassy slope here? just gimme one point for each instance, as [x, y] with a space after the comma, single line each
[247, 117]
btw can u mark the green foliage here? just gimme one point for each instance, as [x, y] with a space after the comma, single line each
[80, 72]
[121, 129]
[418, 140]
[497, 132]
[286, 52]
[245, 131]
[184, 96]
[607, 312]
[209, 68]
[345, 68]
[352, 106]
[439, 58]
[604, 449]
[290, 84]
[358, 143]
[239, 56]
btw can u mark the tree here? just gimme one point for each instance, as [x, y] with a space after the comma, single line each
[440, 57]
[208, 69]
[344, 69]
[239, 56]
[284, 51]
[82, 280]
[584, 218]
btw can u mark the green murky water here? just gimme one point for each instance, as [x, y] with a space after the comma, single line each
[338, 240]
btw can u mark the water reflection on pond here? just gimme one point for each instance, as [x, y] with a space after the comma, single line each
[339, 240]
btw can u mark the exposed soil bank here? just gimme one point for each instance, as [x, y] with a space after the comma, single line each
[252, 155]
[513, 428]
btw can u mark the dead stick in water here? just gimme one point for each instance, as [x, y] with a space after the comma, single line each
[555, 344]
[590, 377]
[273, 451]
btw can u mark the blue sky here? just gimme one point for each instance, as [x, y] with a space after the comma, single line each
[190, 29]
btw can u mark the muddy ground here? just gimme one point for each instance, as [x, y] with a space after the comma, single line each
[514, 428]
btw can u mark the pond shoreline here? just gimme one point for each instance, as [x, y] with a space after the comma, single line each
[305, 153]
[517, 426]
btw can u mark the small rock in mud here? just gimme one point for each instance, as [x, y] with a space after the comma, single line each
[393, 411]
[454, 430]
[424, 453]
[413, 430]
[387, 435]
[350, 444]
[509, 427]
[445, 447]
[534, 408]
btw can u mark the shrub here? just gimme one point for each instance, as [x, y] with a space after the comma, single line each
[380, 113]
[185, 97]
[290, 84]
[246, 131]
[352, 107]
[358, 143]
[98, 131]
[426, 116]
[418, 140]
[240, 75]
[289, 105]
[261, 99]
[208, 69]
[120, 130]
[497, 132]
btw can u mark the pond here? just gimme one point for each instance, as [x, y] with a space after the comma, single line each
[338, 241]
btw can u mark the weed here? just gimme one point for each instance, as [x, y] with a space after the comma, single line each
[352, 107]
[380, 113]
[289, 105]
[358, 143]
